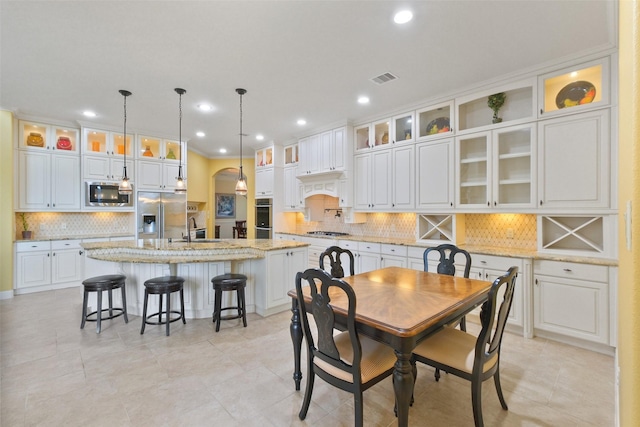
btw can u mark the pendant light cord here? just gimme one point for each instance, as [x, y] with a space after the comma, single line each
[241, 177]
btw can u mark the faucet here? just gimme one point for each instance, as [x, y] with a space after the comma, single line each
[189, 228]
[193, 218]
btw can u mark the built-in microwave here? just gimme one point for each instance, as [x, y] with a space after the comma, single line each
[105, 194]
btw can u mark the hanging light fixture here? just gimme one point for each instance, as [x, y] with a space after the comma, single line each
[181, 185]
[241, 185]
[125, 186]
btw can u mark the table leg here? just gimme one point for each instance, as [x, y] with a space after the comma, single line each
[403, 386]
[296, 338]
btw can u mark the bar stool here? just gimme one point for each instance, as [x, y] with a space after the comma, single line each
[99, 284]
[229, 282]
[163, 286]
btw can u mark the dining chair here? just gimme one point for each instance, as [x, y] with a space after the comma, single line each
[346, 360]
[335, 263]
[474, 358]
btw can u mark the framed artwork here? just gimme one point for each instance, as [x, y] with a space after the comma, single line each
[225, 205]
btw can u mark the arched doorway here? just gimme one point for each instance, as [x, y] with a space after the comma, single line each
[227, 207]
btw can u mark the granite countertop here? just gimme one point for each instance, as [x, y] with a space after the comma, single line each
[484, 250]
[76, 237]
[164, 251]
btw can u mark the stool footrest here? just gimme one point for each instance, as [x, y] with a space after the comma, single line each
[164, 322]
[120, 312]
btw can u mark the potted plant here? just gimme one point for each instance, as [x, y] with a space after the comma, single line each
[26, 233]
[495, 102]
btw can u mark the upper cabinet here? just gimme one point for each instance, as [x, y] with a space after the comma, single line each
[325, 153]
[508, 104]
[574, 89]
[385, 133]
[264, 157]
[435, 121]
[105, 143]
[291, 156]
[39, 136]
[150, 148]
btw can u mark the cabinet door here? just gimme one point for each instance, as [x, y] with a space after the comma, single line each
[403, 178]
[435, 177]
[362, 166]
[264, 182]
[97, 168]
[338, 148]
[117, 169]
[33, 269]
[149, 175]
[513, 167]
[381, 180]
[473, 165]
[392, 261]
[309, 155]
[367, 262]
[169, 175]
[570, 307]
[35, 180]
[65, 182]
[573, 166]
[326, 152]
[291, 188]
[66, 266]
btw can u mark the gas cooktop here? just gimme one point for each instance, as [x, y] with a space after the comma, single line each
[326, 233]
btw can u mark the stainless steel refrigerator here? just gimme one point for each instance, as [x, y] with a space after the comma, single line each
[161, 215]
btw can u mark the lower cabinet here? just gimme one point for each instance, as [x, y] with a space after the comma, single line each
[572, 300]
[47, 265]
[393, 256]
[281, 267]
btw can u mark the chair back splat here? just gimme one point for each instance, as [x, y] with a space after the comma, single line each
[448, 254]
[344, 360]
[336, 255]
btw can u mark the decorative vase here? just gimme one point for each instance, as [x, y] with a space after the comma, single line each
[147, 152]
[496, 119]
[171, 154]
[27, 234]
[35, 140]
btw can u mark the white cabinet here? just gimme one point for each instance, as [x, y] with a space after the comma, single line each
[46, 137]
[48, 182]
[373, 181]
[281, 267]
[264, 182]
[325, 153]
[393, 256]
[366, 255]
[98, 142]
[103, 168]
[153, 148]
[309, 155]
[572, 300]
[495, 169]
[292, 192]
[386, 132]
[574, 161]
[157, 175]
[434, 184]
[489, 268]
[48, 265]
[435, 121]
[403, 178]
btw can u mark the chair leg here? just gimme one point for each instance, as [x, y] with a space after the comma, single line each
[243, 307]
[124, 304]
[218, 307]
[84, 309]
[436, 374]
[99, 313]
[496, 379]
[160, 309]
[184, 321]
[463, 324]
[168, 319]
[476, 399]
[144, 311]
[110, 292]
[358, 408]
[311, 376]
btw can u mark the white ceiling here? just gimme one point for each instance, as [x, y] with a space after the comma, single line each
[309, 59]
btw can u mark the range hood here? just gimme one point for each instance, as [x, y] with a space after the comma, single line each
[320, 186]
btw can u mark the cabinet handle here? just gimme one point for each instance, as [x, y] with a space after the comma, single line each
[54, 254]
[47, 255]
[483, 262]
[393, 205]
[536, 282]
[568, 270]
[495, 203]
[541, 111]
[488, 203]
[80, 252]
[451, 204]
[540, 202]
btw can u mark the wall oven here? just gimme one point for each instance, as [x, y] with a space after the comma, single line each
[263, 218]
[105, 194]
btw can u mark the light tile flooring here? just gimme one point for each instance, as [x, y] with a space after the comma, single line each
[54, 374]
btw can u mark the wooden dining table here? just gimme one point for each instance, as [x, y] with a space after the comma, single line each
[399, 307]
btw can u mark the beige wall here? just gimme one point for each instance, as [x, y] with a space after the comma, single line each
[629, 191]
[197, 177]
[215, 166]
[7, 223]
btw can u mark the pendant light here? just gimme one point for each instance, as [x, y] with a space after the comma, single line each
[181, 185]
[241, 185]
[125, 186]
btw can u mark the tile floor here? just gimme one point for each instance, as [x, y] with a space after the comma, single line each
[54, 374]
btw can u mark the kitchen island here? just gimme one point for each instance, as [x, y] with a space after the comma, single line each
[270, 267]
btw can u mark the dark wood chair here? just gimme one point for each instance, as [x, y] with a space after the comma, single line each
[335, 262]
[346, 360]
[474, 358]
[217, 231]
[446, 265]
[240, 230]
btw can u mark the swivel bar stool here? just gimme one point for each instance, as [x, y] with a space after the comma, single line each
[163, 286]
[99, 284]
[229, 282]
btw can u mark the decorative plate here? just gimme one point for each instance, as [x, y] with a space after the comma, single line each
[576, 93]
[439, 125]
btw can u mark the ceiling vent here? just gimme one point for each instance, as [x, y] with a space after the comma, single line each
[383, 78]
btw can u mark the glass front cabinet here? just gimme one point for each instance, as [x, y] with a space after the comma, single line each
[37, 136]
[435, 121]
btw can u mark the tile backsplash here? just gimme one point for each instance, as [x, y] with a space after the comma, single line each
[52, 225]
[501, 230]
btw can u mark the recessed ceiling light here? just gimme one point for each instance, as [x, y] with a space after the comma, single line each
[200, 134]
[574, 74]
[205, 107]
[363, 100]
[302, 122]
[223, 150]
[403, 17]
[89, 113]
[259, 137]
